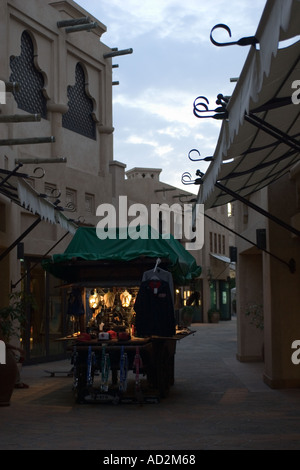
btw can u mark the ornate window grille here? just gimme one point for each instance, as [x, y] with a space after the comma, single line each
[71, 198]
[89, 203]
[30, 96]
[79, 117]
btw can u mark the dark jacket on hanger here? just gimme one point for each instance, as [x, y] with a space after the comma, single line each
[75, 304]
[163, 275]
[154, 309]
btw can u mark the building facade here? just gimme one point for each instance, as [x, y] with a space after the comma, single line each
[268, 293]
[256, 164]
[61, 76]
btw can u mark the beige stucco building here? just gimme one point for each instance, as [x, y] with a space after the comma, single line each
[63, 73]
[65, 78]
[256, 164]
[271, 282]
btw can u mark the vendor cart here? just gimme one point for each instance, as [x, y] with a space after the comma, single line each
[128, 334]
[137, 370]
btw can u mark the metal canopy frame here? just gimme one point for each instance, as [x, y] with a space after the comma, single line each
[291, 264]
[15, 243]
[273, 131]
[10, 190]
[259, 137]
[13, 286]
[258, 209]
[281, 137]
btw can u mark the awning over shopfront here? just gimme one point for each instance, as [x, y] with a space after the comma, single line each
[88, 258]
[15, 187]
[259, 140]
[223, 259]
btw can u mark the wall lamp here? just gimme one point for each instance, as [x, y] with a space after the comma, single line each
[20, 251]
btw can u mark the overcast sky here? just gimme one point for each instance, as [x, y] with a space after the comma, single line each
[173, 62]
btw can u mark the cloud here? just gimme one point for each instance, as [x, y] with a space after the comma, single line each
[138, 140]
[175, 132]
[164, 150]
[160, 150]
[187, 21]
[171, 106]
[173, 62]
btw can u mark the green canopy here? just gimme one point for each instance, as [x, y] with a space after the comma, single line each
[87, 255]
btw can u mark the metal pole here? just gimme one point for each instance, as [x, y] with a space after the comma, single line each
[273, 131]
[36, 161]
[117, 53]
[30, 140]
[20, 118]
[11, 173]
[13, 286]
[83, 27]
[258, 209]
[291, 264]
[28, 230]
[12, 87]
[73, 22]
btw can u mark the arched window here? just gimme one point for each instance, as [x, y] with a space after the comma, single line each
[30, 96]
[79, 117]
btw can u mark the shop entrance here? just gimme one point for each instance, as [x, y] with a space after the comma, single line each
[220, 298]
[45, 315]
[224, 300]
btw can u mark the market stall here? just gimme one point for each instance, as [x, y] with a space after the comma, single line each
[121, 291]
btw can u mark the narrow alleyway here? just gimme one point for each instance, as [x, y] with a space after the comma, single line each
[216, 403]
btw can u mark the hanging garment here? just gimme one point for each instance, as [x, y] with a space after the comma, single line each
[75, 304]
[125, 298]
[109, 299]
[161, 274]
[154, 309]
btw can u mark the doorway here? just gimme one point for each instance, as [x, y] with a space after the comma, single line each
[44, 317]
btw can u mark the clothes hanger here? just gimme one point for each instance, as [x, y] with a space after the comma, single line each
[158, 261]
[155, 276]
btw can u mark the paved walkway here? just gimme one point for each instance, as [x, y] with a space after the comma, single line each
[216, 403]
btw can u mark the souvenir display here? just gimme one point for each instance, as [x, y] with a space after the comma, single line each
[128, 329]
[125, 298]
[109, 299]
[114, 311]
[94, 300]
[123, 370]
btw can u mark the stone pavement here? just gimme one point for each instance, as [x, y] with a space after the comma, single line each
[216, 403]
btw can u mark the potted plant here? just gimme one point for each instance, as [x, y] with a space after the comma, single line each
[187, 316]
[213, 315]
[11, 318]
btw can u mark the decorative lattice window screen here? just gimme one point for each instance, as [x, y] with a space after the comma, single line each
[79, 116]
[71, 198]
[30, 97]
[89, 203]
